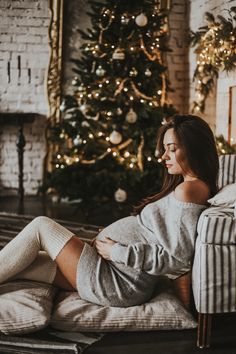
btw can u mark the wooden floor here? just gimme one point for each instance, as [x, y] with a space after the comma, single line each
[158, 342]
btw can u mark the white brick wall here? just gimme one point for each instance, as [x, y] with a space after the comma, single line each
[217, 105]
[24, 38]
[177, 60]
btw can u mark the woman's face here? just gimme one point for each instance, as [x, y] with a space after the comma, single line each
[174, 155]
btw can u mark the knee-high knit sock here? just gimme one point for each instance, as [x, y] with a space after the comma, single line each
[42, 269]
[41, 234]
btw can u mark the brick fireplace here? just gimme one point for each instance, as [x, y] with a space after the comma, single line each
[24, 56]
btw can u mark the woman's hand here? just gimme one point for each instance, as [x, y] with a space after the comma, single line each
[104, 247]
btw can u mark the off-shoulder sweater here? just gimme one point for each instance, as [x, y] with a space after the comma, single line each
[160, 240]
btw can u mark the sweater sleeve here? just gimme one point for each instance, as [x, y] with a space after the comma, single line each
[150, 258]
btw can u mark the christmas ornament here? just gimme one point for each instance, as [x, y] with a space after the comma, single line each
[133, 72]
[115, 137]
[63, 106]
[118, 54]
[141, 20]
[148, 72]
[100, 71]
[85, 124]
[77, 140]
[81, 88]
[124, 20]
[119, 111]
[120, 195]
[131, 116]
[75, 81]
[83, 108]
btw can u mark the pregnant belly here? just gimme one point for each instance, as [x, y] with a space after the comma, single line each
[125, 231]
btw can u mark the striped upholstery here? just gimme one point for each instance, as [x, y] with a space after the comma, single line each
[214, 266]
[227, 173]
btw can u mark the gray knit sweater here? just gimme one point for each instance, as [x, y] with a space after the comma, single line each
[160, 240]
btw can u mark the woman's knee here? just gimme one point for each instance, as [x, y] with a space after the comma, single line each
[42, 223]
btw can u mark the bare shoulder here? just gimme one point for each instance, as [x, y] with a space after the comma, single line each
[192, 192]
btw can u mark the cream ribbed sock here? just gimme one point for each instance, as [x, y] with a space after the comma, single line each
[41, 234]
[42, 269]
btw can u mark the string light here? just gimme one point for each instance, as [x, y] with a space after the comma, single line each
[215, 47]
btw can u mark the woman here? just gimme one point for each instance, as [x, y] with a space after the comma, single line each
[121, 267]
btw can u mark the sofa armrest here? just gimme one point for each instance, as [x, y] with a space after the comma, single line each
[217, 226]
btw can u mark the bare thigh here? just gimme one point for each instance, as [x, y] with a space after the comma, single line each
[67, 260]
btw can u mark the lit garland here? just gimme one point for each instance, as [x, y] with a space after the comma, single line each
[223, 147]
[216, 51]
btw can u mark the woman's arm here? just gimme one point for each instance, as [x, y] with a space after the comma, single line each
[150, 258]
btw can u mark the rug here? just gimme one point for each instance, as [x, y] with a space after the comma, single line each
[48, 341]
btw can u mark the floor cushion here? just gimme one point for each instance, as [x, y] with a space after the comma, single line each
[25, 306]
[163, 311]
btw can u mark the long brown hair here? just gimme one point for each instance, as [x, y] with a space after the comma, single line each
[198, 143]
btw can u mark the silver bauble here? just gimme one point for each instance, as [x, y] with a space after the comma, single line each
[115, 137]
[141, 20]
[120, 195]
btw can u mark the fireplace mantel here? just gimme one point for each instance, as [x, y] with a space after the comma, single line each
[18, 119]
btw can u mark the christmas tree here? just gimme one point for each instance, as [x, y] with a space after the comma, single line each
[106, 139]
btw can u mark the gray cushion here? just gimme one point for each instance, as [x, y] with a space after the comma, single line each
[163, 311]
[25, 306]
